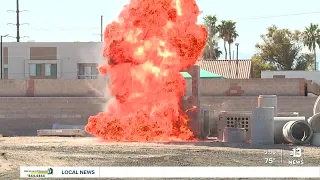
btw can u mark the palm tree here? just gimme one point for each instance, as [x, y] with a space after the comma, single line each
[211, 50]
[217, 52]
[311, 39]
[222, 34]
[231, 34]
[209, 54]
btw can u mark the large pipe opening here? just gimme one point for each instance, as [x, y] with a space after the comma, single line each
[300, 132]
[297, 132]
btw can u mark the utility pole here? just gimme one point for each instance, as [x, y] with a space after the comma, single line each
[18, 20]
[101, 29]
[237, 73]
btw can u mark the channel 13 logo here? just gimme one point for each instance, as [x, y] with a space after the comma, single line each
[297, 157]
[296, 152]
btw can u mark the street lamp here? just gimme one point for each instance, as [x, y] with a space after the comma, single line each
[237, 72]
[237, 44]
[1, 48]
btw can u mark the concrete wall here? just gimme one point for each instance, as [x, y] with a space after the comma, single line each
[208, 87]
[308, 75]
[25, 115]
[313, 88]
[250, 87]
[69, 88]
[69, 54]
[53, 88]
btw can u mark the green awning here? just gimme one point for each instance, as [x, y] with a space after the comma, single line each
[203, 74]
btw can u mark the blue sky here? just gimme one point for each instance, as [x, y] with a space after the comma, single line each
[79, 20]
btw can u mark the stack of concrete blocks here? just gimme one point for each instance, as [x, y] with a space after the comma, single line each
[286, 129]
[262, 126]
[239, 120]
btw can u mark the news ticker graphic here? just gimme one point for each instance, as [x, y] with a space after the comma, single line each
[169, 172]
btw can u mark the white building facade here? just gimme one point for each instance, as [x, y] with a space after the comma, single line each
[51, 60]
[308, 75]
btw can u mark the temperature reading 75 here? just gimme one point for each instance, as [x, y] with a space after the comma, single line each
[269, 160]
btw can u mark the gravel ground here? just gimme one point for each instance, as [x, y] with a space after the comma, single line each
[59, 151]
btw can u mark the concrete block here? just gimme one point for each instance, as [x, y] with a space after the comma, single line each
[268, 101]
[288, 114]
[234, 119]
[234, 135]
[63, 126]
[262, 125]
[233, 91]
[62, 132]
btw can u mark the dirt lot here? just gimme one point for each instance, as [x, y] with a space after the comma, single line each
[58, 151]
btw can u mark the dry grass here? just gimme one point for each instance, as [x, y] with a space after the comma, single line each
[58, 151]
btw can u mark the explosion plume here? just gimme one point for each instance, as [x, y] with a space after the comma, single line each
[152, 41]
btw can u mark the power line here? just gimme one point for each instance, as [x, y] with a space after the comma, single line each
[278, 16]
[59, 57]
[62, 72]
[18, 20]
[72, 28]
[67, 28]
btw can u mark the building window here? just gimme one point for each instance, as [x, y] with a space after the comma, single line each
[35, 69]
[88, 71]
[43, 70]
[50, 69]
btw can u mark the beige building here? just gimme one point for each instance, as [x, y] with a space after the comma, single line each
[51, 60]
